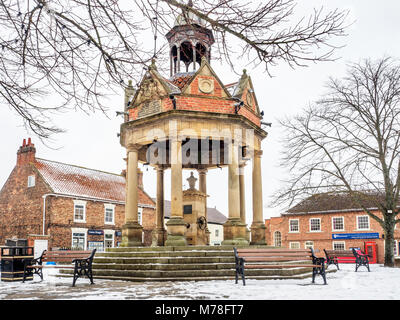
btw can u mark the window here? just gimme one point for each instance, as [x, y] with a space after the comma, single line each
[79, 211]
[294, 245]
[315, 224]
[395, 252]
[78, 239]
[98, 245]
[339, 246]
[109, 214]
[31, 181]
[309, 244]
[363, 223]
[216, 232]
[294, 225]
[337, 224]
[277, 239]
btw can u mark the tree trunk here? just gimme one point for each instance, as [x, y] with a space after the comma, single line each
[389, 246]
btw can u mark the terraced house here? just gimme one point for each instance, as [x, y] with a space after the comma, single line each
[330, 221]
[57, 205]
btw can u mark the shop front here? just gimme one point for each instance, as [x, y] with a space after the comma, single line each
[96, 239]
[358, 241]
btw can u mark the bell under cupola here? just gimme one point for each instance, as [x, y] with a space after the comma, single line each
[189, 40]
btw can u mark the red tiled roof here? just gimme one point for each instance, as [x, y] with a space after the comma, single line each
[77, 181]
[334, 202]
[181, 79]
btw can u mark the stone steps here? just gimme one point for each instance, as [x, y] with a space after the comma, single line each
[163, 260]
[166, 267]
[180, 264]
[197, 273]
[171, 254]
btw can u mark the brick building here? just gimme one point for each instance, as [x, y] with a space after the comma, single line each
[329, 221]
[58, 205]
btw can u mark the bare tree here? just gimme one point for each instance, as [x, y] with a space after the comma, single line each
[80, 51]
[350, 141]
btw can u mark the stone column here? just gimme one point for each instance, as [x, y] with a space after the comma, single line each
[132, 230]
[203, 188]
[242, 193]
[176, 226]
[178, 61]
[158, 233]
[171, 64]
[194, 57]
[234, 228]
[258, 226]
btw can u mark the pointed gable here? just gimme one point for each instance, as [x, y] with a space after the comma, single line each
[148, 99]
[245, 91]
[206, 82]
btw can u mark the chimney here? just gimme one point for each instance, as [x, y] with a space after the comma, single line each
[26, 153]
[140, 178]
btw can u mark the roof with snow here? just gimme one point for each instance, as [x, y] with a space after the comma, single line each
[78, 181]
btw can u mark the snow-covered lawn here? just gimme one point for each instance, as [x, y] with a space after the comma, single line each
[379, 284]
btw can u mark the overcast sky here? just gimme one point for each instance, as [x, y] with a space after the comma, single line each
[91, 140]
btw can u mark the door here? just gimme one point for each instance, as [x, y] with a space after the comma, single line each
[108, 240]
[39, 246]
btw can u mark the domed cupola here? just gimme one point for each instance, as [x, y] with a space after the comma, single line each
[190, 40]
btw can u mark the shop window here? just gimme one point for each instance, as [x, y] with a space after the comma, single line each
[98, 245]
[315, 224]
[78, 241]
[338, 224]
[363, 223]
[277, 239]
[294, 225]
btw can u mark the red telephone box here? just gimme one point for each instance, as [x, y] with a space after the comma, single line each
[371, 249]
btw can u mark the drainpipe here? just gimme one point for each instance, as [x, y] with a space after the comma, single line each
[44, 212]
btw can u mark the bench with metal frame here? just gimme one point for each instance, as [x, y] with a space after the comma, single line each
[333, 256]
[82, 261]
[361, 259]
[260, 258]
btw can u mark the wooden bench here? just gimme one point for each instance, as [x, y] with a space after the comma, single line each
[82, 261]
[268, 258]
[359, 258]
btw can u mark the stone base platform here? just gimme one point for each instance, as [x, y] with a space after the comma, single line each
[181, 263]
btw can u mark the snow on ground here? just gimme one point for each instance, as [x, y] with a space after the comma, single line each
[345, 284]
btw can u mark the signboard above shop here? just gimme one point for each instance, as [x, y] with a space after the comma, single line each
[343, 236]
[96, 232]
